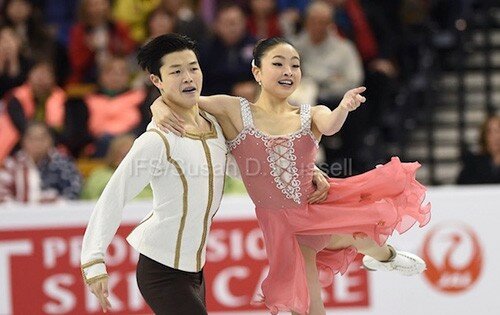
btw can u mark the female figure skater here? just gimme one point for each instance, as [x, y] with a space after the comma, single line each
[307, 243]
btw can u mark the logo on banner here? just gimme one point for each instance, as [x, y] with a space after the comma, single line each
[454, 257]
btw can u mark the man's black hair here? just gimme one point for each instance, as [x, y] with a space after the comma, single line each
[149, 56]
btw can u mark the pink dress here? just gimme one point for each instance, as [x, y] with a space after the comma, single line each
[277, 172]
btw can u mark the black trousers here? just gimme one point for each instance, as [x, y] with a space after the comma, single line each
[170, 291]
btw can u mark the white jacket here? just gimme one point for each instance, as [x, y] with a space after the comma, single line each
[187, 178]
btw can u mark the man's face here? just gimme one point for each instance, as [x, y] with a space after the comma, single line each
[115, 75]
[230, 25]
[181, 78]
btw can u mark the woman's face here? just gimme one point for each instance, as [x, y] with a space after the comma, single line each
[493, 136]
[279, 72]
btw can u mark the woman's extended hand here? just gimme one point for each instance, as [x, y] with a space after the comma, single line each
[352, 99]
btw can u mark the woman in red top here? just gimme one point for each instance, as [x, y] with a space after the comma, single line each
[94, 38]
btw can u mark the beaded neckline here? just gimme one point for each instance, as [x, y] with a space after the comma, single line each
[249, 127]
[233, 143]
[280, 150]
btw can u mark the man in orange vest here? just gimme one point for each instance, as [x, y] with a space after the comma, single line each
[114, 109]
[39, 99]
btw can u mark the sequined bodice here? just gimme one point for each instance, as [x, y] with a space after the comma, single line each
[277, 170]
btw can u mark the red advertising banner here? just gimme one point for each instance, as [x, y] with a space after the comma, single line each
[40, 272]
[40, 262]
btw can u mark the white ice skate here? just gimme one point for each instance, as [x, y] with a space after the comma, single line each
[405, 263]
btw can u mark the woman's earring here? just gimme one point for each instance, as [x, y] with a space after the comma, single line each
[260, 83]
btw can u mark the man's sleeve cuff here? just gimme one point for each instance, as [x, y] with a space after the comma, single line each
[94, 271]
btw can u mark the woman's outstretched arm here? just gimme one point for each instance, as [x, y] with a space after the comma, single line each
[330, 122]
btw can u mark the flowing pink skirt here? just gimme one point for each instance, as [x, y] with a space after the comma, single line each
[372, 204]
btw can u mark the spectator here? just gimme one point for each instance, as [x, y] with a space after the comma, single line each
[159, 22]
[97, 180]
[226, 58]
[94, 38]
[39, 99]
[208, 8]
[263, 21]
[370, 28]
[114, 109]
[186, 21]
[366, 25]
[484, 168]
[26, 21]
[291, 12]
[14, 66]
[333, 63]
[36, 42]
[135, 13]
[59, 16]
[38, 173]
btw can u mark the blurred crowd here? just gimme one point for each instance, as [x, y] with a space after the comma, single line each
[72, 98]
